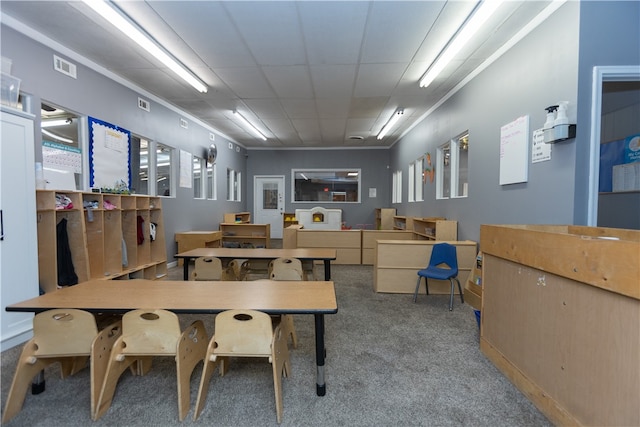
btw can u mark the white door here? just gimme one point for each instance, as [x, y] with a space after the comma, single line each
[268, 202]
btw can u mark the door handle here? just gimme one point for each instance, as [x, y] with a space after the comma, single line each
[1, 226]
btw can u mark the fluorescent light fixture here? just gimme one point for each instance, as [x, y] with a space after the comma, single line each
[54, 136]
[391, 123]
[115, 18]
[53, 123]
[469, 28]
[249, 126]
[352, 174]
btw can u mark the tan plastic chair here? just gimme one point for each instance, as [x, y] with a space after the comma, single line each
[286, 265]
[149, 333]
[253, 269]
[233, 271]
[245, 333]
[69, 337]
[288, 269]
[207, 268]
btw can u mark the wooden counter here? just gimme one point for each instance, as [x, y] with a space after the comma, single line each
[397, 262]
[561, 316]
[370, 237]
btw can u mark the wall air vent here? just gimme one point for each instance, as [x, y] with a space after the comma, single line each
[184, 124]
[64, 66]
[144, 105]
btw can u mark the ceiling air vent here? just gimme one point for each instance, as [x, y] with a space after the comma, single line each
[64, 66]
[144, 105]
[356, 138]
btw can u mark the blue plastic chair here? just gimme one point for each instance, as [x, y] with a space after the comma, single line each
[442, 253]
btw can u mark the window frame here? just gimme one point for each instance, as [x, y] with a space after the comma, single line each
[328, 174]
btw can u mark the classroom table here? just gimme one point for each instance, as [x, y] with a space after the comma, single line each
[227, 254]
[199, 297]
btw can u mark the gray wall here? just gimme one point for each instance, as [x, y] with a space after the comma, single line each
[375, 174]
[609, 35]
[528, 78]
[95, 95]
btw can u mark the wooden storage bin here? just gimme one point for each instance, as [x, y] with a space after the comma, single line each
[560, 316]
[397, 263]
[370, 237]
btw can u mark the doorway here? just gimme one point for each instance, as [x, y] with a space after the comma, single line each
[602, 75]
[269, 202]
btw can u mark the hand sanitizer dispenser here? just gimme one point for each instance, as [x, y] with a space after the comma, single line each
[547, 129]
[561, 123]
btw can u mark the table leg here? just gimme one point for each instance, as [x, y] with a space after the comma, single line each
[321, 387]
[185, 274]
[327, 270]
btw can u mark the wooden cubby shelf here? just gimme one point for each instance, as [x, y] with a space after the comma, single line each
[245, 235]
[109, 236]
[435, 228]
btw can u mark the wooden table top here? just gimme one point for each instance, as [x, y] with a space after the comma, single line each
[283, 297]
[261, 253]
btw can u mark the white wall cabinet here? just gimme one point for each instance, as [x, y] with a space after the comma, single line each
[18, 246]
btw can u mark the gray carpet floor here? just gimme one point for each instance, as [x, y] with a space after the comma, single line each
[389, 362]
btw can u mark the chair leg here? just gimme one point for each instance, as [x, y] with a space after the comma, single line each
[100, 350]
[460, 289]
[451, 295]
[28, 367]
[415, 294]
[192, 348]
[207, 371]
[118, 363]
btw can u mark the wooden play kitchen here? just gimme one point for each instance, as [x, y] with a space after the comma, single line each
[560, 316]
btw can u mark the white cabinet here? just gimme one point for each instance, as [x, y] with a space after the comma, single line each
[18, 247]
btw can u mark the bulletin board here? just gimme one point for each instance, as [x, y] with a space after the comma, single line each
[514, 151]
[109, 155]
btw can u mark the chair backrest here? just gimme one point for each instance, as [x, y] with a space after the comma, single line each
[63, 332]
[444, 253]
[243, 333]
[207, 268]
[286, 269]
[150, 332]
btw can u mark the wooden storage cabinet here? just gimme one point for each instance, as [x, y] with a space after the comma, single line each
[245, 235]
[560, 316]
[238, 217]
[397, 263]
[384, 218]
[370, 237]
[348, 243]
[103, 235]
[435, 228]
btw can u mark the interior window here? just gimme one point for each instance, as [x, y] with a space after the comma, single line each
[233, 185]
[462, 165]
[325, 185]
[198, 182]
[396, 187]
[443, 171]
[412, 181]
[164, 155]
[61, 148]
[139, 165]
[419, 179]
[211, 182]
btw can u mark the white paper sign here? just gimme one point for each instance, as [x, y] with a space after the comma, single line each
[540, 151]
